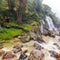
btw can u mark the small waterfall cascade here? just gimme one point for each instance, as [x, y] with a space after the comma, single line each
[50, 24]
[42, 23]
[47, 23]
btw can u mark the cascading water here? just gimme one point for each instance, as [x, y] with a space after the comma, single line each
[42, 22]
[47, 23]
[50, 24]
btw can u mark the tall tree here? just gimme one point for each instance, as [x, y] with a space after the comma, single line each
[10, 4]
[21, 10]
[38, 5]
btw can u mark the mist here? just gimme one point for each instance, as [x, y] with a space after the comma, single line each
[54, 4]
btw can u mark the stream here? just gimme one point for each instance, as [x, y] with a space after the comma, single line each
[48, 46]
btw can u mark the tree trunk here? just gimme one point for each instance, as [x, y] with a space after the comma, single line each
[10, 4]
[21, 10]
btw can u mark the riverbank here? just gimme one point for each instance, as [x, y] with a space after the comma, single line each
[29, 46]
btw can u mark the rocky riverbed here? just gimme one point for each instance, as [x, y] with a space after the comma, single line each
[35, 47]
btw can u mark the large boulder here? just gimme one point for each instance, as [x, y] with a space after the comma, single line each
[25, 37]
[49, 33]
[36, 55]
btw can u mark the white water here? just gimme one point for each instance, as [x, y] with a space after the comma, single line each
[50, 24]
[42, 22]
[49, 46]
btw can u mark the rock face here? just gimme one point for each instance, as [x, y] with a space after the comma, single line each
[36, 55]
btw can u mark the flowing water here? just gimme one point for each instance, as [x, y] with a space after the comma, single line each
[42, 23]
[50, 24]
[29, 45]
[49, 46]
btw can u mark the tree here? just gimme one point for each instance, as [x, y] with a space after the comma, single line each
[38, 5]
[46, 9]
[21, 10]
[34, 8]
[10, 4]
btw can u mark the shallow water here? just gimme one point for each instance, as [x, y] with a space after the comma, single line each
[29, 46]
[48, 46]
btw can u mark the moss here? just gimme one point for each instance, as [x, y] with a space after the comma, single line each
[6, 34]
[26, 27]
[35, 22]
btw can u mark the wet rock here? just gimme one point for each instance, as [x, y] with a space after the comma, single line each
[37, 46]
[19, 37]
[57, 45]
[17, 48]
[25, 51]
[8, 56]
[37, 37]
[52, 35]
[25, 38]
[55, 54]
[36, 55]
[22, 57]
[40, 40]
[58, 40]
[56, 33]
[49, 33]
[59, 33]
[33, 35]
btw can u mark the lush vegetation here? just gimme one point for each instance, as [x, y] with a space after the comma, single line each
[16, 16]
[9, 33]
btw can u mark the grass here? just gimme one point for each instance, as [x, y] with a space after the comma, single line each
[25, 26]
[6, 34]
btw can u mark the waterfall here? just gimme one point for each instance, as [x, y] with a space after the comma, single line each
[47, 23]
[50, 24]
[42, 30]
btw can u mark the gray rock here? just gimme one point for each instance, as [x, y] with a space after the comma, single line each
[36, 55]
